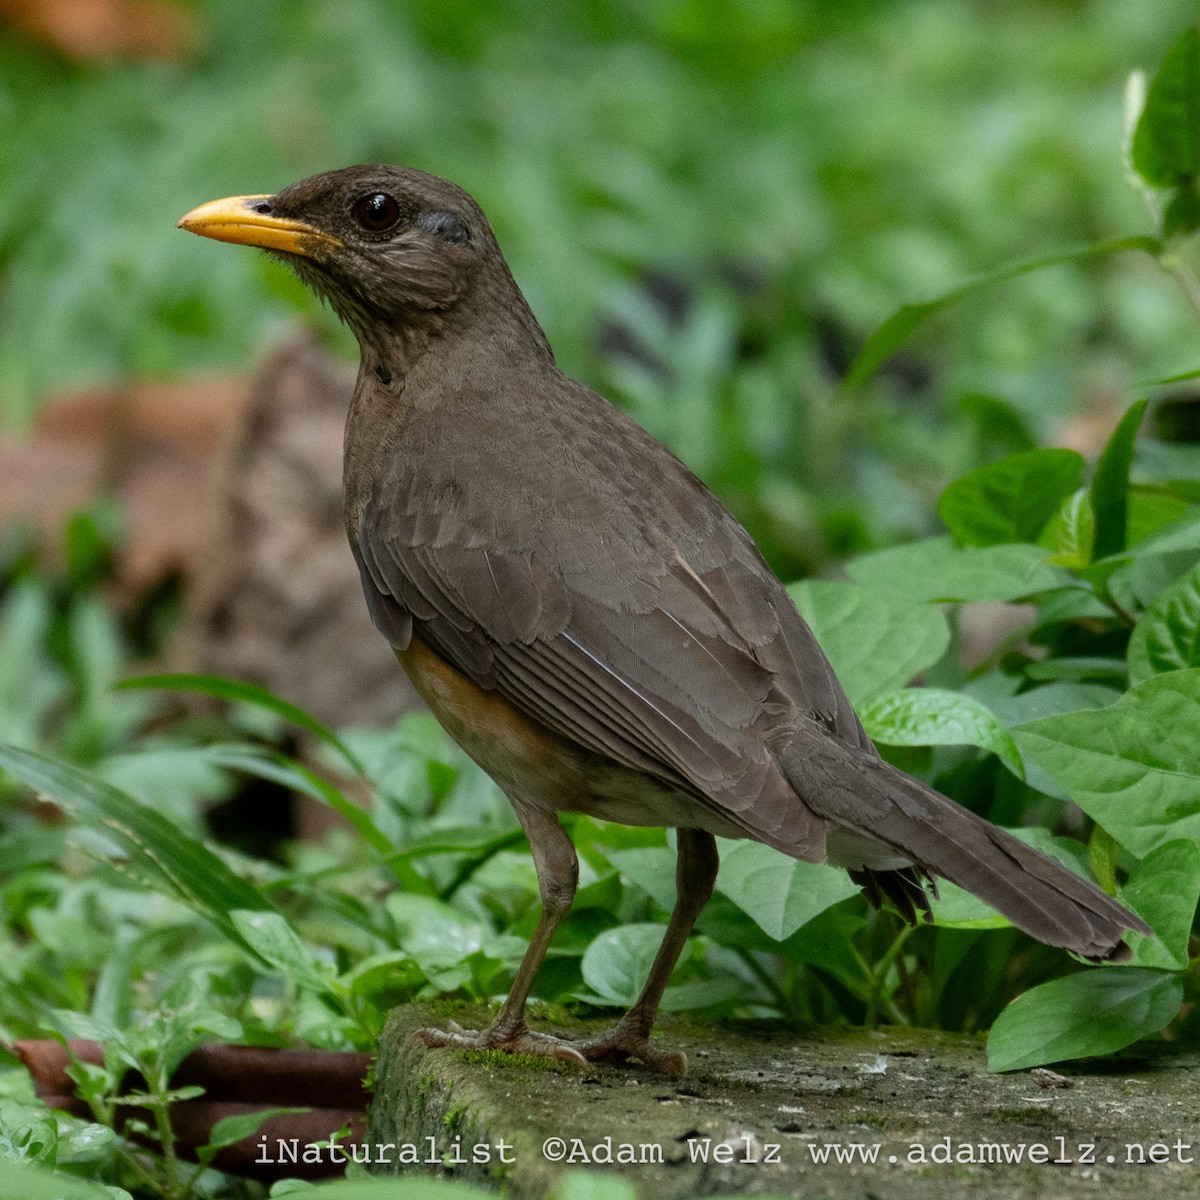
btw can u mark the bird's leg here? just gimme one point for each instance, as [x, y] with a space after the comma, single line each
[558, 874]
[695, 874]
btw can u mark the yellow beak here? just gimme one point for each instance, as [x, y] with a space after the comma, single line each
[248, 221]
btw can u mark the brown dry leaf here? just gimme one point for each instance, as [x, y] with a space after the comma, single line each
[90, 30]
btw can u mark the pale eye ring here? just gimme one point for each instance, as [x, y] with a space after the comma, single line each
[376, 212]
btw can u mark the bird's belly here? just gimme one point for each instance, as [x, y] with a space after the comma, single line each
[534, 765]
[629, 797]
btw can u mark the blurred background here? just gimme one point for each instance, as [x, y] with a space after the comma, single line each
[709, 204]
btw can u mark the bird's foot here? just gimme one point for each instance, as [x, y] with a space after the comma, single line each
[623, 1041]
[509, 1037]
[630, 1038]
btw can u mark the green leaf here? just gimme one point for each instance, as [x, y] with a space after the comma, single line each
[162, 856]
[1182, 535]
[778, 893]
[937, 569]
[900, 326]
[33, 1183]
[1167, 638]
[1166, 142]
[956, 908]
[1075, 531]
[277, 943]
[1152, 509]
[1095, 1011]
[1110, 485]
[1011, 500]
[229, 1130]
[617, 963]
[1181, 217]
[248, 693]
[1164, 891]
[652, 868]
[934, 717]
[592, 1185]
[1134, 767]
[874, 640]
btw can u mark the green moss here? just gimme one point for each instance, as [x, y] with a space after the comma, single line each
[501, 1058]
[453, 1119]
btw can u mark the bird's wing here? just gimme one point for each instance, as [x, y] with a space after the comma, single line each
[679, 672]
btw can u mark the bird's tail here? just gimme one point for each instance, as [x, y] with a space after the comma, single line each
[856, 791]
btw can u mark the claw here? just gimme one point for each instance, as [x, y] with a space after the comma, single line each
[618, 1044]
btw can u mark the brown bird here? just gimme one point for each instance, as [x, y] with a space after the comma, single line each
[584, 616]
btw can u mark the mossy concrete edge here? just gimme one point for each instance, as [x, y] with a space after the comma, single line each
[752, 1086]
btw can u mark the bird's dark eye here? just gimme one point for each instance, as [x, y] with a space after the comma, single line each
[377, 212]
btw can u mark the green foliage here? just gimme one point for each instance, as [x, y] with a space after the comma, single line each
[1092, 1013]
[935, 717]
[1133, 766]
[1165, 150]
[875, 640]
[1167, 638]
[1011, 500]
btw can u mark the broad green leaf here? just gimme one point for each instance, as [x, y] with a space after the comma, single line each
[937, 569]
[433, 931]
[1164, 890]
[778, 893]
[1050, 700]
[1011, 500]
[162, 856]
[277, 943]
[652, 868]
[1092, 1012]
[1166, 142]
[1110, 485]
[34, 1183]
[388, 972]
[934, 717]
[616, 964]
[247, 693]
[874, 640]
[1133, 767]
[1167, 638]
[901, 325]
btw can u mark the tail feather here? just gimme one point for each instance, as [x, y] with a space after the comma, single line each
[868, 796]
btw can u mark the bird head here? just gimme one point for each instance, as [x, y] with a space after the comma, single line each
[382, 244]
